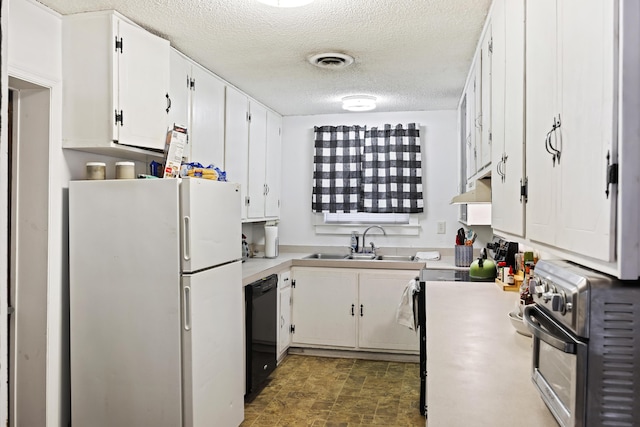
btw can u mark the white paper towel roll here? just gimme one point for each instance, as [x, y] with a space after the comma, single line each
[270, 241]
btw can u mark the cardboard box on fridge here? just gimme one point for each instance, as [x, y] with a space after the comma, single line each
[174, 149]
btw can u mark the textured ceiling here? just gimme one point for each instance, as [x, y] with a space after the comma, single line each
[412, 55]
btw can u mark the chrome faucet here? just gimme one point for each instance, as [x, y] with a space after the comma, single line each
[364, 235]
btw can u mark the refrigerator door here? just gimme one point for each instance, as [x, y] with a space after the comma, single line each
[124, 303]
[210, 223]
[213, 370]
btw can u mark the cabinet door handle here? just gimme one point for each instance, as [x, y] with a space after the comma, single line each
[361, 310]
[353, 308]
[168, 103]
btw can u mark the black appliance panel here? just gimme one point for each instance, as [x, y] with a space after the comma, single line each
[261, 298]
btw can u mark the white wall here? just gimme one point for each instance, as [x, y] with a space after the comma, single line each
[4, 398]
[34, 56]
[440, 177]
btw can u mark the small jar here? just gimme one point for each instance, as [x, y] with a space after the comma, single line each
[501, 267]
[96, 170]
[125, 170]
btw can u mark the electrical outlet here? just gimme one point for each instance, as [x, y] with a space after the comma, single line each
[442, 227]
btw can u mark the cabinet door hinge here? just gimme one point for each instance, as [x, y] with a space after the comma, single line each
[490, 138]
[612, 173]
[524, 190]
[119, 44]
[192, 84]
[247, 200]
[249, 117]
[293, 283]
[119, 118]
[188, 82]
[10, 310]
[292, 329]
[491, 45]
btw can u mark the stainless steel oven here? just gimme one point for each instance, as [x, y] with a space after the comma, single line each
[586, 345]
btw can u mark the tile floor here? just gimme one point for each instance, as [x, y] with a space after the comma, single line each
[320, 391]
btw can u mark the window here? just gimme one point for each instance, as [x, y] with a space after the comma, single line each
[375, 171]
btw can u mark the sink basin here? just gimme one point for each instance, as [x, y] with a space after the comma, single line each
[396, 258]
[366, 257]
[326, 256]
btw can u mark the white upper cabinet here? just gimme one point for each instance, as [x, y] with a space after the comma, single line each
[257, 155]
[570, 132]
[116, 80]
[484, 156]
[207, 118]
[196, 99]
[478, 110]
[179, 90]
[237, 141]
[507, 118]
[273, 160]
[252, 154]
[472, 124]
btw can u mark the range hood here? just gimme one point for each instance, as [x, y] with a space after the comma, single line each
[480, 194]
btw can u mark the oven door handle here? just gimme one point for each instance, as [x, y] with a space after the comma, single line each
[554, 335]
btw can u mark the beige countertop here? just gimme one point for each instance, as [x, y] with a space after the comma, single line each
[256, 268]
[479, 367]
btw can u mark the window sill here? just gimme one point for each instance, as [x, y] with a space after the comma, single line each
[390, 229]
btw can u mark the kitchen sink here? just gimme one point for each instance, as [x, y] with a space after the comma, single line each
[326, 256]
[362, 257]
[396, 258]
[365, 257]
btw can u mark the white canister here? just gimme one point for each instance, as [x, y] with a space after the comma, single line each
[270, 241]
[96, 170]
[125, 170]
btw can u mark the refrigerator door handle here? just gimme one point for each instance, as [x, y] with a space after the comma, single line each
[186, 238]
[187, 308]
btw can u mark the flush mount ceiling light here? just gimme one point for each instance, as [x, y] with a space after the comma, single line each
[359, 103]
[285, 3]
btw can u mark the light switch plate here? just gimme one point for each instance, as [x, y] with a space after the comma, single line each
[442, 227]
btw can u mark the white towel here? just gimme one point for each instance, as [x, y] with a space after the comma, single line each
[432, 255]
[405, 314]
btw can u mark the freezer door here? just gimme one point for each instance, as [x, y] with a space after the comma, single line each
[210, 223]
[212, 352]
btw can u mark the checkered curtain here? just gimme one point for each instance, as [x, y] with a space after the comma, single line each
[360, 170]
[337, 167]
[392, 170]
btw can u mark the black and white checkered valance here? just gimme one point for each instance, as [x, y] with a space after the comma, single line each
[360, 170]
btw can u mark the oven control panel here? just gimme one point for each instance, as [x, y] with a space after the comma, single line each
[558, 294]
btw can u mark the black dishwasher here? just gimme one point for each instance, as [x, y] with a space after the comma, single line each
[261, 299]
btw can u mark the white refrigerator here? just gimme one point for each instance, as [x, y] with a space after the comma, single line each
[155, 297]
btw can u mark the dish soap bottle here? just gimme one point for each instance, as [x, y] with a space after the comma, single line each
[354, 242]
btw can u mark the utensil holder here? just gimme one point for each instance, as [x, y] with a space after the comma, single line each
[463, 255]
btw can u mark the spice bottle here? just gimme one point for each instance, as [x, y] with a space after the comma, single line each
[510, 276]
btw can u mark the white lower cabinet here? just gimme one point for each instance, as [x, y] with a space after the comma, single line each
[284, 313]
[349, 308]
[379, 296]
[324, 304]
